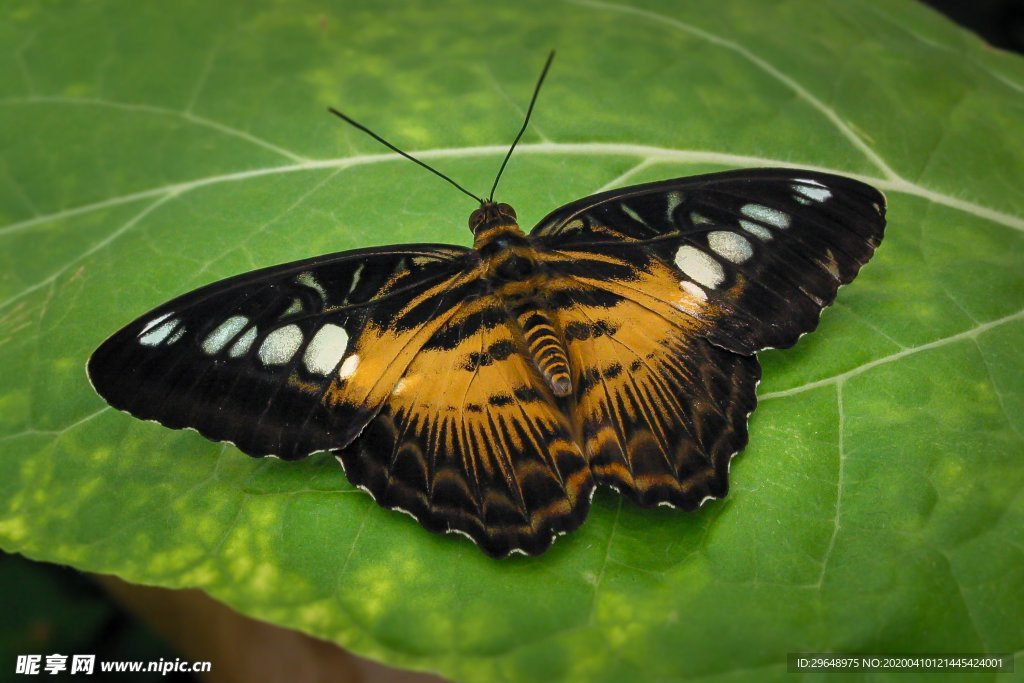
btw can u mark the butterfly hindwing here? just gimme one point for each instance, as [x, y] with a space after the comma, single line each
[661, 409]
[286, 360]
[763, 251]
[471, 440]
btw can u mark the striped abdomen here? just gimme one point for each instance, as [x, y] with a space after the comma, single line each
[546, 348]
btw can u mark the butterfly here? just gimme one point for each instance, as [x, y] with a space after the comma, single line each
[489, 390]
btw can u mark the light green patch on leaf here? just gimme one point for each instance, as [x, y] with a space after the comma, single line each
[148, 149]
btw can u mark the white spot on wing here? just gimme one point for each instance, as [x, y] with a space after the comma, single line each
[730, 246]
[634, 215]
[280, 345]
[358, 274]
[154, 321]
[348, 368]
[307, 279]
[243, 343]
[693, 289]
[674, 200]
[756, 230]
[225, 332]
[159, 333]
[326, 349]
[766, 214]
[700, 266]
[812, 189]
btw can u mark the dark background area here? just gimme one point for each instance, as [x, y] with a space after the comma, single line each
[49, 609]
[998, 22]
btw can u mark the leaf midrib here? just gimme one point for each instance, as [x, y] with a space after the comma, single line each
[648, 154]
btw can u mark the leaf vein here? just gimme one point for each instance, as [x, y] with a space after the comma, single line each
[649, 153]
[909, 351]
[767, 67]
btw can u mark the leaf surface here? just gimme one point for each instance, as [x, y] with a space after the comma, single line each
[149, 149]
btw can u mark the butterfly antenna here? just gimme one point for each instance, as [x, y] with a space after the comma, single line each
[353, 122]
[533, 101]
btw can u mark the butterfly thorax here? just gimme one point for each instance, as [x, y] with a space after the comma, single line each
[511, 265]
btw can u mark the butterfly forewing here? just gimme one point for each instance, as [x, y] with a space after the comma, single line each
[287, 360]
[762, 251]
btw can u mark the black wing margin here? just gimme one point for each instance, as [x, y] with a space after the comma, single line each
[759, 252]
[270, 360]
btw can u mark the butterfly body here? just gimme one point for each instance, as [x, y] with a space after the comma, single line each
[518, 278]
[489, 390]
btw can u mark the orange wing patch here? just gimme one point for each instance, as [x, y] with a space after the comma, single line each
[383, 353]
[654, 286]
[472, 440]
[661, 410]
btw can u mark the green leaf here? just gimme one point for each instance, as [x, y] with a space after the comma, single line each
[149, 148]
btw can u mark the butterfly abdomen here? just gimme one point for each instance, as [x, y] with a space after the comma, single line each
[546, 347]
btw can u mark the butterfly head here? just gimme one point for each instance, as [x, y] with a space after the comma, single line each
[489, 215]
